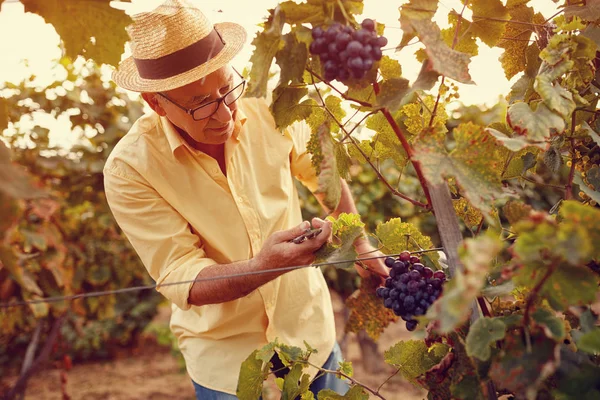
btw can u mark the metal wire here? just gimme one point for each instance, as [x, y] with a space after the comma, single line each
[213, 278]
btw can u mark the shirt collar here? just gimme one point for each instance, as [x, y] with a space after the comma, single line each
[175, 140]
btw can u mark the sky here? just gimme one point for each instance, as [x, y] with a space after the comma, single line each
[30, 46]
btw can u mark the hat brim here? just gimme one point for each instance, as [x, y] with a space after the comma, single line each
[127, 76]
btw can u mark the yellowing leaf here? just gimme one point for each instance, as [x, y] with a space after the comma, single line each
[516, 42]
[488, 30]
[253, 373]
[475, 163]
[267, 43]
[390, 68]
[460, 31]
[292, 60]
[301, 13]
[536, 126]
[78, 21]
[515, 211]
[573, 212]
[345, 230]
[470, 215]
[322, 147]
[392, 93]
[555, 96]
[414, 358]
[355, 393]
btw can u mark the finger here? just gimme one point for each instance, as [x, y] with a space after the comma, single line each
[324, 236]
[289, 234]
[317, 222]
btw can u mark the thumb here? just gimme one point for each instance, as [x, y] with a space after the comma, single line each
[291, 233]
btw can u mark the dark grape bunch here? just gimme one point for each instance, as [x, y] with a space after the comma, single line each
[411, 287]
[347, 52]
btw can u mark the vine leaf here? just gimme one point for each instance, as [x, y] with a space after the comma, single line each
[291, 60]
[415, 9]
[489, 31]
[253, 372]
[587, 12]
[523, 371]
[590, 341]
[453, 307]
[555, 96]
[536, 126]
[322, 148]
[573, 212]
[552, 325]
[285, 107]
[295, 383]
[515, 211]
[466, 41]
[392, 93]
[366, 310]
[517, 38]
[475, 163]
[87, 19]
[267, 43]
[414, 358]
[355, 393]
[345, 230]
[302, 13]
[483, 333]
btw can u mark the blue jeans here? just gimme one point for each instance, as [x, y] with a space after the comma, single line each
[327, 381]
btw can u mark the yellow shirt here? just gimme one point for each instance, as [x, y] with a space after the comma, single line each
[181, 214]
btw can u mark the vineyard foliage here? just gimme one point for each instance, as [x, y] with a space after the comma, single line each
[519, 183]
[59, 235]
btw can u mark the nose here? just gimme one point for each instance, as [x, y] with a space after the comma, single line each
[223, 113]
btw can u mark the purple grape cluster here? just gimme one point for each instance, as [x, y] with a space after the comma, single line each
[345, 51]
[411, 288]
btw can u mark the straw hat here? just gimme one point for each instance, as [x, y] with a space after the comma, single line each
[173, 45]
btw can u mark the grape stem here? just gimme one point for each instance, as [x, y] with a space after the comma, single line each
[388, 378]
[351, 379]
[379, 175]
[569, 185]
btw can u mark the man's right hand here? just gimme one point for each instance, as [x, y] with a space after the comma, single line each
[279, 252]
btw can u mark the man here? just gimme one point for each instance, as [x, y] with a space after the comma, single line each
[203, 188]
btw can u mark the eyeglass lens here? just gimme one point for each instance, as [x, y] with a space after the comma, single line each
[209, 109]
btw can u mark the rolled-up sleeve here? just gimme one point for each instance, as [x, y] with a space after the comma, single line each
[159, 234]
[300, 158]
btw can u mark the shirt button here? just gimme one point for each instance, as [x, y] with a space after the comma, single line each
[240, 199]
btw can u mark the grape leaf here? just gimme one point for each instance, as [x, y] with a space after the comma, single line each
[448, 62]
[453, 307]
[322, 148]
[590, 341]
[414, 358]
[475, 163]
[392, 93]
[86, 19]
[267, 43]
[515, 211]
[320, 116]
[590, 11]
[521, 162]
[513, 58]
[302, 13]
[415, 9]
[483, 333]
[345, 230]
[397, 236]
[14, 181]
[460, 29]
[343, 160]
[355, 393]
[553, 326]
[418, 114]
[346, 368]
[523, 371]
[577, 214]
[366, 310]
[253, 373]
[427, 77]
[469, 214]
[555, 96]
[291, 60]
[385, 144]
[537, 126]
[389, 68]
[515, 143]
[285, 107]
[489, 31]
[291, 388]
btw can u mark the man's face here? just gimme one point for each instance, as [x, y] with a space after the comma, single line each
[217, 128]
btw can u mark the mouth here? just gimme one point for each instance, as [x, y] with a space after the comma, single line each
[221, 129]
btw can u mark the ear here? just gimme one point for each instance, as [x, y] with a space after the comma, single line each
[153, 101]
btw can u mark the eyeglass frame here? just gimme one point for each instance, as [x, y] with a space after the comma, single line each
[218, 100]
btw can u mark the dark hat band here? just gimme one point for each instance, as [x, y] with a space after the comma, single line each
[182, 60]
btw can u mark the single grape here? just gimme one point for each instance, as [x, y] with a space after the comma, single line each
[368, 24]
[406, 317]
[419, 311]
[414, 275]
[379, 291]
[421, 284]
[332, 32]
[377, 54]
[353, 49]
[439, 275]
[414, 260]
[404, 278]
[411, 325]
[317, 32]
[385, 292]
[363, 36]
[412, 286]
[409, 303]
[333, 49]
[388, 302]
[343, 73]
[428, 273]
[389, 283]
[418, 267]
[424, 303]
[429, 288]
[330, 66]
[368, 63]
[400, 267]
[348, 29]
[389, 262]
[401, 296]
[404, 256]
[402, 287]
[365, 52]
[344, 56]
[418, 296]
[382, 41]
[394, 293]
[436, 283]
[342, 40]
[325, 56]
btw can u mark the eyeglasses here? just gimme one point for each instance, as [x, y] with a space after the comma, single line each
[208, 109]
